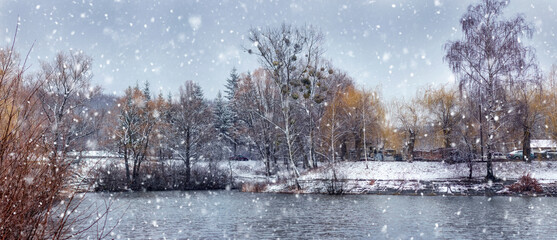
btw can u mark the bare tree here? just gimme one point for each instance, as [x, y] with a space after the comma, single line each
[133, 132]
[312, 93]
[192, 123]
[468, 131]
[280, 51]
[258, 96]
[65, 91]
[490, 59]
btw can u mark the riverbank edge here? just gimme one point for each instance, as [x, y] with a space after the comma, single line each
[441, 187]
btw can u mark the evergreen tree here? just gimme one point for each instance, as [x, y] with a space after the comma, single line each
[197, 93]
[223, 119]
[232, 84]
[147, 91]
[231, 89]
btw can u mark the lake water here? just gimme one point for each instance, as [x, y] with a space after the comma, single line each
[237, 215]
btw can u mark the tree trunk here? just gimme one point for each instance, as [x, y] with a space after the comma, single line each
[470, 157]
[312, 160]
[141, 158]
[134, 170]
[311, 157]
[343, 150]
[268, 161]
[490, 147]
[188, 163]
[357, 147]
[288, 135]
[411, 143]
[446, 137]
[526, 149]
[333, 137]
[365, 147]
[127, 165]
[470, 168]
[235, 147]
[54, 159]
[291, 157]
[490, 175]
[305, 160]
[489, 164]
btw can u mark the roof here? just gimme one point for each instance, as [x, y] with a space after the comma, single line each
[543, 143]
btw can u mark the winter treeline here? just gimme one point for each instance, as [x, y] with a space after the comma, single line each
[502, 99]
[325, 109]
[296, 111]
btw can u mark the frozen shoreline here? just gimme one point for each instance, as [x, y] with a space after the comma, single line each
[385, 177]
[420, 178]
[454, 187]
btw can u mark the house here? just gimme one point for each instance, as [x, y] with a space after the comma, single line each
[439, 154]
[543, 145]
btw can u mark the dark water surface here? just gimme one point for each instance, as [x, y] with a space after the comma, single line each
[237, 215]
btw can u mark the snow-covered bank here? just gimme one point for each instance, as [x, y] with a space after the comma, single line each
[377, 178]
[422, 171]
[419, 178]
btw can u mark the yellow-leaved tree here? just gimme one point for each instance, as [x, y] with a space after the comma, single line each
[441, 107]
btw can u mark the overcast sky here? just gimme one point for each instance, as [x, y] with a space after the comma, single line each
[397, 45]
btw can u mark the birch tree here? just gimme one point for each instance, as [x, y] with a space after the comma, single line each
[489, 59]
[280, 51]
[312, 92]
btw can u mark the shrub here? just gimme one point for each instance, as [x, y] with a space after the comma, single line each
[526, 183]
[156, 176]
[110, 178]
[37, 200]
[207, 178]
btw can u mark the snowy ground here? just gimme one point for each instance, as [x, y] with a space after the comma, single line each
[428, 171]
[418, 178]
[379, 177]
